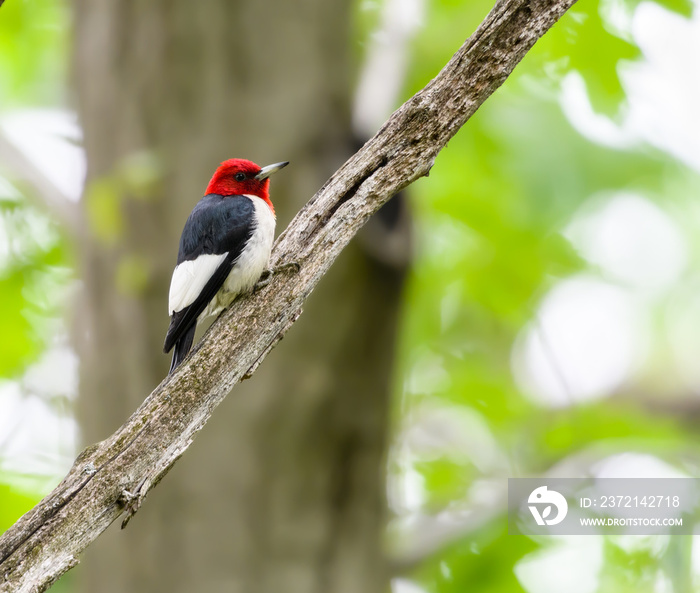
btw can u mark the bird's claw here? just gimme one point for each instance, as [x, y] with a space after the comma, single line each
[267, 275]
[296, 266]
[264, 280]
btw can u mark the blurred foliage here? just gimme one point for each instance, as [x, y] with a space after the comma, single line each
[34, 260]
[14, 504]
[33, 255]
[33, 65]
[491, 245]
[104, 216]
[480, 564]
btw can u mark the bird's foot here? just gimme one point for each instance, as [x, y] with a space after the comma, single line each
[267, 275]
[291, 265]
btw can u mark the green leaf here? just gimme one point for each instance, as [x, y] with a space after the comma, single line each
[13, 504]
[482, 562]
[19, 344]
[33, 49]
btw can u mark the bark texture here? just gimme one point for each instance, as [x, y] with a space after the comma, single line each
[112, 478]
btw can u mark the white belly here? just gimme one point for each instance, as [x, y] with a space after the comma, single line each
[250, 265]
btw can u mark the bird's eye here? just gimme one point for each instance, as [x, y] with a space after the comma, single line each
[240, 176]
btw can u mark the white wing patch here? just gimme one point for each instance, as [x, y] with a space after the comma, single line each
[189, 279]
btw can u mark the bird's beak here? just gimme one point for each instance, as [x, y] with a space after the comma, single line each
[265, 172]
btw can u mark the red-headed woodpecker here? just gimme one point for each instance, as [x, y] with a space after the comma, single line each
[224, 249]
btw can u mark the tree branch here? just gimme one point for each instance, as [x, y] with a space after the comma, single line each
[112, 478]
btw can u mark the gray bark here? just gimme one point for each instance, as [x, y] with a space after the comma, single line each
[112, 478]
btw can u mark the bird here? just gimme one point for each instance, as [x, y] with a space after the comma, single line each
[224, 249]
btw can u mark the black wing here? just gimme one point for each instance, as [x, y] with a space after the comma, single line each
[216, 225]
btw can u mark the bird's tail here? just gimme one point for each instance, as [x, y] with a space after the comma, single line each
[182, 347]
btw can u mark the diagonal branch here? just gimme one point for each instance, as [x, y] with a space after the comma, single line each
[112, 478]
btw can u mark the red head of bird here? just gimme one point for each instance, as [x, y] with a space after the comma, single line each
[236, 177]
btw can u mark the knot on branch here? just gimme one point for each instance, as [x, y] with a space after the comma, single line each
[131, 503]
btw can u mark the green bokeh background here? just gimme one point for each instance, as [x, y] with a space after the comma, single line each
[490, 245]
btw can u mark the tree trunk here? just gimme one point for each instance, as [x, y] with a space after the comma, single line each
[283, 490]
